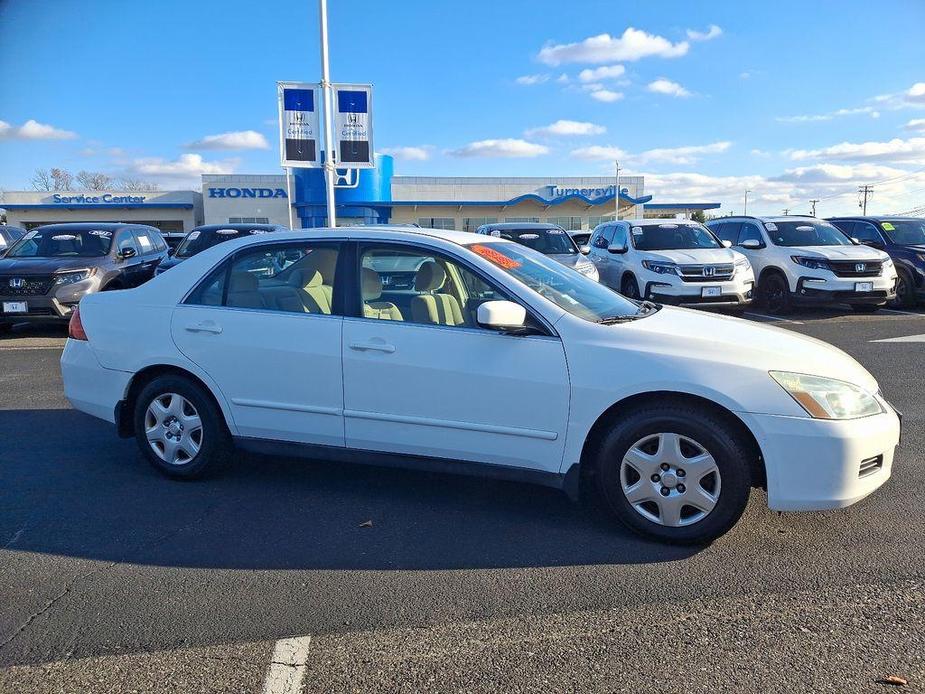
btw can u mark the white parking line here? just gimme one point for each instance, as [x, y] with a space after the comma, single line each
[906, 338]
[902, 313]
[763, 315]
[287, 666]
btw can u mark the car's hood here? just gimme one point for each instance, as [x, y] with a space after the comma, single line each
[709, 336]
[693, 256]
[570, 259]
[44, 266]
[840, 252]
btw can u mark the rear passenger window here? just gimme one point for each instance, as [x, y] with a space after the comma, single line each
[727, 231]
[144, 241]
[290, 278]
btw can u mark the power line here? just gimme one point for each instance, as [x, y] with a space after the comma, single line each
[814, 206]
[865, 190]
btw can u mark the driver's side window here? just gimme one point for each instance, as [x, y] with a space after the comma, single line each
[619, 236]
[126, 242]
[749, 232]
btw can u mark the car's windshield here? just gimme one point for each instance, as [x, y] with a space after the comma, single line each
[63, 242]
[905, 232]
[200, 239]
[566, 288]
[670, 237]
[550, 241]
[805, 232]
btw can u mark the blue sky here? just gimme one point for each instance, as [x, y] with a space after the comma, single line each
[792, 100]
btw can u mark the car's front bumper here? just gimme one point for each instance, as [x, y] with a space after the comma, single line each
[737, 291]
[56, 305]
[816, 464]
[844, 289]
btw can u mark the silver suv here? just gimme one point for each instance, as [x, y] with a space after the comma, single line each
[44, 275]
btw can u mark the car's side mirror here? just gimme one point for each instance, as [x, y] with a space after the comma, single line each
[727, 244]
[614, 248]
[855, 241]
[501, 315]
[585, 248]
[127, 253]
[170, 251]
[752, 244]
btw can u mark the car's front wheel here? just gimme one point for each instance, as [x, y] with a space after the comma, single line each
[905, 291]
[674, 472]
[774, 293]
[179, 428]
[629, 287]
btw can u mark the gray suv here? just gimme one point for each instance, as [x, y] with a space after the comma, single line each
[44, 275]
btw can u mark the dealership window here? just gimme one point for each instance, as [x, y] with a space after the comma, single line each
[248, 220]
[473, 223]
[437, 222]
[567, 223]
[522, 219]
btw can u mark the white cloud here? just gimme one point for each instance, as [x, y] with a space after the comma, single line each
[913, 97]
[633, 45]
[33, 130]
[563, 79]
[605, 72]
[916, 93]
[666, 86]
[838, 173]
[239, 139]
[745, 75]
[896, 150]
[760, 153]
[414, 153]
[185, 166]
[508, 147]
[916, 124]
[532, 79]
[670, 155]
[820, 117]
[606, 95]
[711, 33]
[565, 128]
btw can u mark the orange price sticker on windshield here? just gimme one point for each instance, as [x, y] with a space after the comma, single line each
[495, 257]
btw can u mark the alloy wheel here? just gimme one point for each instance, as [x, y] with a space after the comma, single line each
[173, 429]
[670, 479]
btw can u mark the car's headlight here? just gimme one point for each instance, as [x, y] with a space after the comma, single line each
[828, 398]
[72, 276]
[811, 262]
[743, 263]
[660, 267]
[888, 262]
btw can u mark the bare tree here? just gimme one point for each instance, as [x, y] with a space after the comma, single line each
[63, 179]
[93, 180]
[136, 185]
[41, 180]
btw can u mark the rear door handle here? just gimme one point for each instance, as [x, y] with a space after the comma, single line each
[205, 326]
[372, 347]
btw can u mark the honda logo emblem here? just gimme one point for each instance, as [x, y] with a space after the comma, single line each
[17, 283]
[709, 271]
[859, 267]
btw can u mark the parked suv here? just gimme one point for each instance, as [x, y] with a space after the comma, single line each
[206, 236]
[805, 259]
[8, 236]
[677, 262]
[548, 239]
[903, 239]
[45, 274]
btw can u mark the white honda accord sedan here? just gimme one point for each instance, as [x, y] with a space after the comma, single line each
[466, 353]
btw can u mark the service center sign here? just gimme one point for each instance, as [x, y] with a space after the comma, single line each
[353, 125]
[298, 124]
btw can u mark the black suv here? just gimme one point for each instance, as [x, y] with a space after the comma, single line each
[206, 236]
[903, 239]
[45, 273]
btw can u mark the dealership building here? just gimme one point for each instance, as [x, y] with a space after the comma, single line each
[367, 196]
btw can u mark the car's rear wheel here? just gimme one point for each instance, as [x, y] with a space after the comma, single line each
[674, 472]
[629, 287]
[180, 429]
[775, 294]
[905, 291]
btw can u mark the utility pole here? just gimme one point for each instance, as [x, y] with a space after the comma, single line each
[745, 209]
[786, 211]
[814, 207]
[865, 190]
[328, 93]
[616, 197]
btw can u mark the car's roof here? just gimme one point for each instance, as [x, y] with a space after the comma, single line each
[658, 222]
[522, 225]
[241, 227]
[772, 218]
[89, 226]
[880, 218]
[459, 238]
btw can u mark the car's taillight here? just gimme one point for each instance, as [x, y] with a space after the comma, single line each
[75, 329]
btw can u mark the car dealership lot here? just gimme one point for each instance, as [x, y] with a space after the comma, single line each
[113, 578]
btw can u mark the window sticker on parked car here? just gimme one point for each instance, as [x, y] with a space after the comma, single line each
[496, 233]
[257, 231]
[227, 232]
[887, 226]
[530, 237]
[549, 231]
[64, 237]
[98, 232]
[637, 231]
[495, 257]
[193, 236]
[770, 226]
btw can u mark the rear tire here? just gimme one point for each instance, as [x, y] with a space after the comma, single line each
[708, 476]
[629, 287]
[774, 292]
[179, 428]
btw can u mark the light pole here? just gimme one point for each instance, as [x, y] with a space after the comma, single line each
[616, 196]
[745, 209]
[328, 96]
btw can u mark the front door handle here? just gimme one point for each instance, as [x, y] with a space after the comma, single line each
[372, 347]
[205, 326]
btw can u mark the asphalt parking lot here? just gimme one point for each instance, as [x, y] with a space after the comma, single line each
[347, 578]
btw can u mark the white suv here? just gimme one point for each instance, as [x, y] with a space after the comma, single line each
[676, 262]
[804, 259]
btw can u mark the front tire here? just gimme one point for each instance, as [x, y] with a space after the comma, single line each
[905, 291]
[675, 473]
[629, 287]
[179, 428]
[775, 294]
